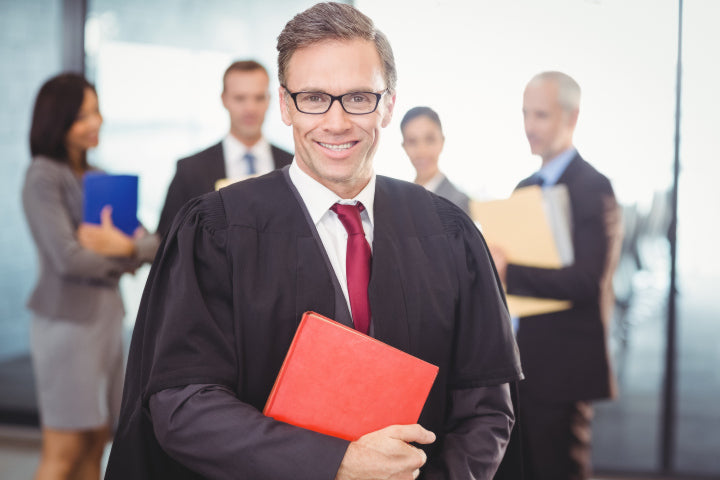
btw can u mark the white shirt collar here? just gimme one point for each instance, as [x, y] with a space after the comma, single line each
[232, 147]
[236, 149]
[434, 182]
[318, 198]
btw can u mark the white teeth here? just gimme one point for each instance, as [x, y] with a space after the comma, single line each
[342, 146]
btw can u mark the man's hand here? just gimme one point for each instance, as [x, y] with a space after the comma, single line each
[386, 454]
[105, 239]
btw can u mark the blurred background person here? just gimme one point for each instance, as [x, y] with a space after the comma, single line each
[564, 353]
[423, 141]
[76, 331]
[243, 152]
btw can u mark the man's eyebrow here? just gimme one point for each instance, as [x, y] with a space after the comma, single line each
[321, 90]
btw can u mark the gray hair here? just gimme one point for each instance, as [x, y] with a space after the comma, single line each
[333, 21]
[568, 88]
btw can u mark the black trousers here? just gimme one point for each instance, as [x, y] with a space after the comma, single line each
[555, 439]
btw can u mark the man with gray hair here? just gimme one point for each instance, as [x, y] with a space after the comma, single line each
[240, 267]
[564, 354]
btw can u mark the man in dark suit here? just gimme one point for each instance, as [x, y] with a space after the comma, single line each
[243, 152]
[564, 354]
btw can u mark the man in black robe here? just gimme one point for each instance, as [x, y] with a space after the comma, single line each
[240, 266]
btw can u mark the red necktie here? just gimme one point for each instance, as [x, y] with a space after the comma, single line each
[357, 264]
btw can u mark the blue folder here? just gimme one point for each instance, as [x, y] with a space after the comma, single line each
[118, 191]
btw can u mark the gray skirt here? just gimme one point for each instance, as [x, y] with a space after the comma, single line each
[79, 367]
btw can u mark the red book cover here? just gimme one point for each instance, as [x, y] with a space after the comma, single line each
[338, 381]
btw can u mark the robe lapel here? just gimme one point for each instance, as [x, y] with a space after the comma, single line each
[387, 298]
[315, 290]
[317, 286]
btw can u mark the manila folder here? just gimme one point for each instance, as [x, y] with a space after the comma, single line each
[523, 227]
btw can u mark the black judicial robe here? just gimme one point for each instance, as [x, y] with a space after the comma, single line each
[229, 286]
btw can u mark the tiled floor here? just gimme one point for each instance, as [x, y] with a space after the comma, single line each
[19, 450]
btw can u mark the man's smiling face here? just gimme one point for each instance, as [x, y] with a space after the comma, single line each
[336, 148]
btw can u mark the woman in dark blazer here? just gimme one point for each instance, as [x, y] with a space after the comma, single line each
[76, 332]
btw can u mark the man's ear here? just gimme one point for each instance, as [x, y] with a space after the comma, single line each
[284, 108]
[573, 118]
[223, 100]
[389, 107]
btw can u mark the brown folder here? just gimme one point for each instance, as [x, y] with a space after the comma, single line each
[224, 182]
[520, 306]
[523, 228]
[532, 227]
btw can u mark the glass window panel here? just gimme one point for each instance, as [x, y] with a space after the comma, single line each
[698, 256]
[158, 69]
[470, 61]
[30, 42]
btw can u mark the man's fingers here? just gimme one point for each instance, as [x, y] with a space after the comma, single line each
[422, 454]
[416, 473]
[411, 433]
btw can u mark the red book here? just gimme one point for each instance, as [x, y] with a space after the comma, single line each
[338, 381]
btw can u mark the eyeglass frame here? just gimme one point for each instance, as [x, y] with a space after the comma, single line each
[294, 95]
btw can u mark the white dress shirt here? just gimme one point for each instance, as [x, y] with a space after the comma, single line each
[318, 199]
[235, 165]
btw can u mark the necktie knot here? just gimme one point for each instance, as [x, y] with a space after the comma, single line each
[349, 216]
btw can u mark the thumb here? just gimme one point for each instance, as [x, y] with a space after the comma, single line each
[411, 433]
[106, 216]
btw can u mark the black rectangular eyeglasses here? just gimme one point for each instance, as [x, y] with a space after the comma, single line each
[317, 103]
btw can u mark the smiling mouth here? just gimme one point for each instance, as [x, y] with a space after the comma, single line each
[337, 147]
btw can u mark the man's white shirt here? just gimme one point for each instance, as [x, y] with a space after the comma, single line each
[236, 167]
[318, 199]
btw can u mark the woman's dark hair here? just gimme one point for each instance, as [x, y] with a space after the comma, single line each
[56, 107]
[415, 112]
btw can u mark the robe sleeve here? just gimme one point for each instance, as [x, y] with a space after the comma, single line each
[194, 387]
[480, 414]
[199, 426]
[485, 352]
[188, 311]
[478, 430]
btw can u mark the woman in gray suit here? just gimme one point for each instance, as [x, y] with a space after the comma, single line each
[423, 141]
[76, 332]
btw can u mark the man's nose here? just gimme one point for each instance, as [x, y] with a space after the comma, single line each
[337, 117]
